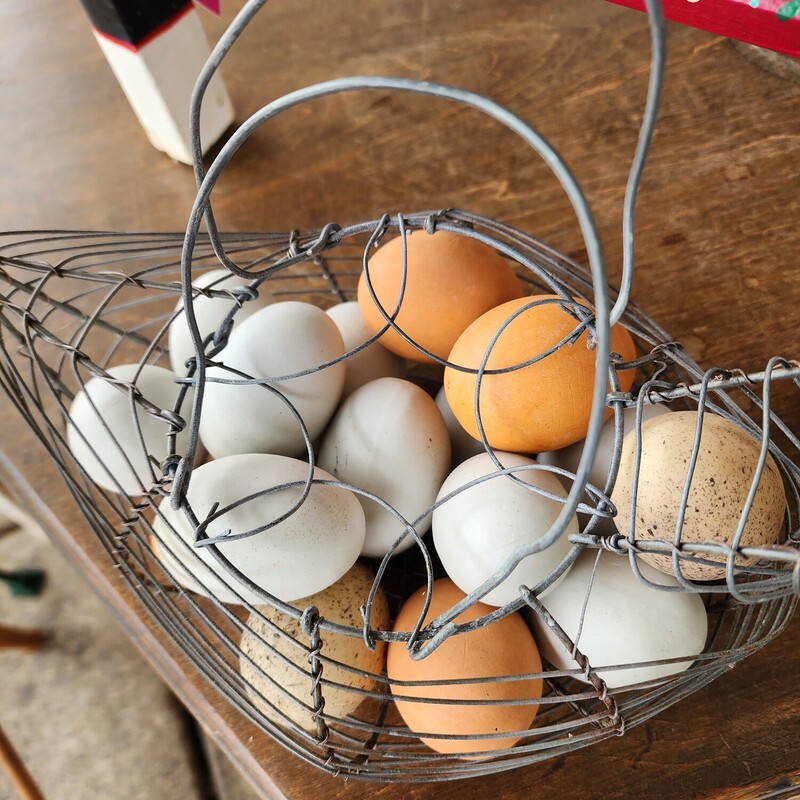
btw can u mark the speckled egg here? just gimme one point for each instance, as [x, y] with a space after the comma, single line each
[722, 478]
[277, 670]
[569, 458]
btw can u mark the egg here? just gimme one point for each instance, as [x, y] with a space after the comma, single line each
[624, 622]
[450, 280]
[389, 439]
[304, 553]
[171, 565]
[724, 472]
[281, 339]
[209, 314]
[462, 445]
[570, 457]
[543, 406]
[478, 529]
[277, 670]
[370, 363]
[502, 648]
[119, 450]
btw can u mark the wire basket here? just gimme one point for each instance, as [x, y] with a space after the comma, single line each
[77, 305]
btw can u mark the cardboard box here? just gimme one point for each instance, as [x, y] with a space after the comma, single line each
[156, 49]
[773, 24]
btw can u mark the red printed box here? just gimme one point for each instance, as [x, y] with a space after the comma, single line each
[774, 24]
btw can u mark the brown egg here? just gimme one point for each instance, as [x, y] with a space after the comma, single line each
[722, 478]
[451, 280]
[541, 407]
[505, 647]
[266, 651]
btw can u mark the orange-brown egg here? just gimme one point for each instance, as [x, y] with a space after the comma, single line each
[451, 280]
[540, 407]
[502, 648]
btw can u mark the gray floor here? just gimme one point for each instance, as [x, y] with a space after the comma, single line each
[86, 714]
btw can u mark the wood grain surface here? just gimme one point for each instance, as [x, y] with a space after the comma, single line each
[717, 244]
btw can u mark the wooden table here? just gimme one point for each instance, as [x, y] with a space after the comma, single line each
[718, 238]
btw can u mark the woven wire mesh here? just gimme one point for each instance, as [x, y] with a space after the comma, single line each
[77, 303]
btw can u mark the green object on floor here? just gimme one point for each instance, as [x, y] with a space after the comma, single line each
[24, 582]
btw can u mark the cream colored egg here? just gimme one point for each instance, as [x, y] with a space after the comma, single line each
[569, 457]
[624, 621]
[304, 553]
[210, 313]
[462, 445]
[480, 527]
[277, 671]
[389, 439]
[370, 363]
[118, 442]
[184, 564]
[281, 339]
[724, 472]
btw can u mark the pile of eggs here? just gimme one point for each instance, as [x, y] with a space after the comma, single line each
[391, 463]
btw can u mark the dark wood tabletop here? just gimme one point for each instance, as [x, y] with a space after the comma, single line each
[717, 244]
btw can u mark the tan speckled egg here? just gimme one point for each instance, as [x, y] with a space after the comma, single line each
[725, 469]
[277, 670]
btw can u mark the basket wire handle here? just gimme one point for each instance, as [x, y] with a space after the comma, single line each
[516, 125]
[218, 53]
[207, 180]
[654, 87]
[652, 103]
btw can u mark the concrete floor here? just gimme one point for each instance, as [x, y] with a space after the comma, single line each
[87, 715]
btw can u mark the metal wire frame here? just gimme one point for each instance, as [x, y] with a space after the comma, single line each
[102, 310]
[76, 303]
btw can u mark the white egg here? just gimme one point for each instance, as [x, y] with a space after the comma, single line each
[370, 363]
[462, 445]
[569, 457]
[119, 450]
[476, 530]
[306, 552]
[625, 622]
[173, 552]
[389, 438]
[209, 313]
[280, 339]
